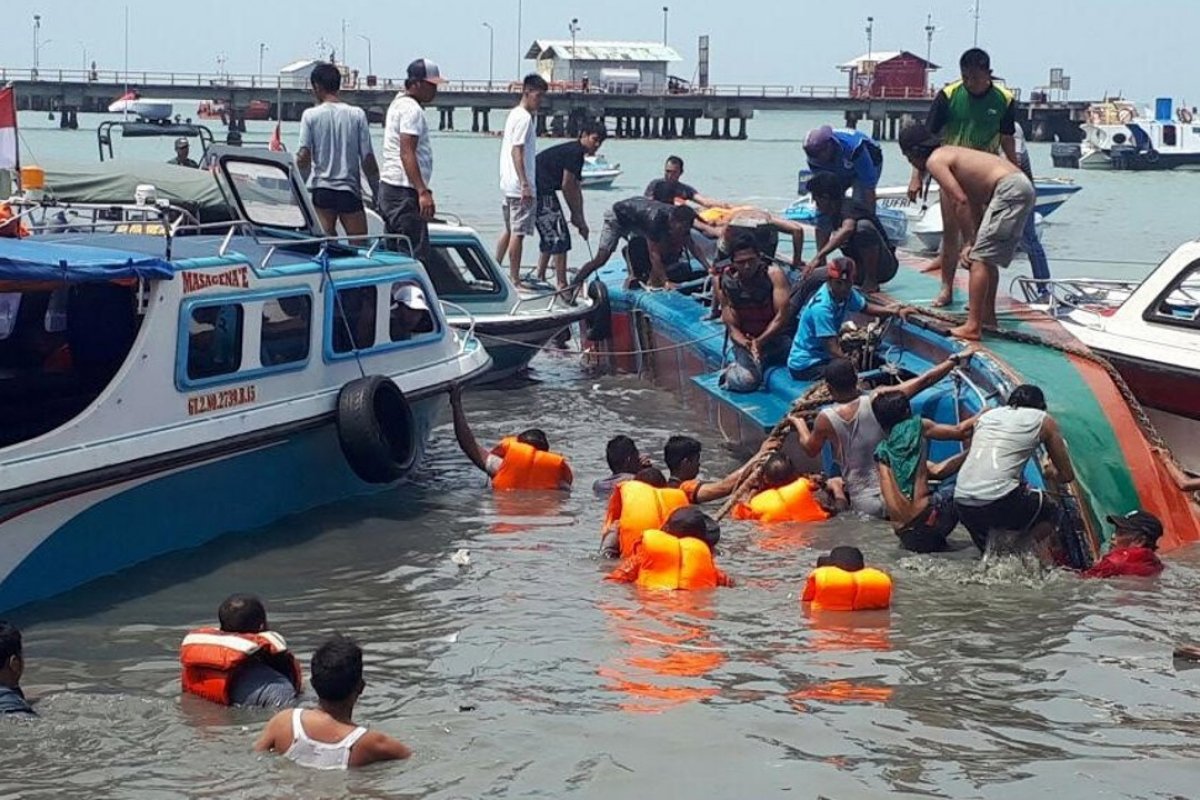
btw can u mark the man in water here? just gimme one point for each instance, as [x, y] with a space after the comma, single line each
[688, 522]
[404, 197]
[851, 226]
[182, 148]
[666, 230]
[669, 189]
[12, 666]
[851, 429]
[624, 462]
[990, 493]
[1133, 551]
[541, 469]
[518, 169]
[561, 167]
[851, 158]
[326, 737]
[756, 307]
[335, 145]
[992, 199]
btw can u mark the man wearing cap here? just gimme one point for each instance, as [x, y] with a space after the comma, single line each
[854, 158]
[518, 168]
[181, 154]
[1133, 549]
[409, 313]
[405, 199]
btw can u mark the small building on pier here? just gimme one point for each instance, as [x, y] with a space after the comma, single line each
[613, 67]
[889, 74]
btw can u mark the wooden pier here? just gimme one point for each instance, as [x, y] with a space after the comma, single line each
[716, 112]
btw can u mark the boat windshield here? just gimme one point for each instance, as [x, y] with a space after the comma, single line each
[265, 194]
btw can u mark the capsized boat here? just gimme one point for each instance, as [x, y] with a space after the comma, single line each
[143, 107]
[163, 387]
[598, 173]
[666, 335]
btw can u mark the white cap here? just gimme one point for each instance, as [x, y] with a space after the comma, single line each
[411, 296]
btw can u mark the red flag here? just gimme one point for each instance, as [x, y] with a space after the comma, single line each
[8, 129]
[276, 142]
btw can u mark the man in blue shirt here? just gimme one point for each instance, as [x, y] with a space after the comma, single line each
[852, 156]
[816, 342]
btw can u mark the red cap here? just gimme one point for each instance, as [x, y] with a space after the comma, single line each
[841, 268]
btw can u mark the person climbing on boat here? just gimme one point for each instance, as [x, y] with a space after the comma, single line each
[522, 462]
[922, 515]
[561, 167]
[785, 495]
[666, 230]
[853, 432]
[243, 663]
[12, 667]
[842, 581]
[816, 341]
[1133, 551]
[679, 556]
[670, 189]
[624, 461]
[973, 112]
[518, 174]
[990, 493]
[992, 198]
[757, 309]
[852, 158]
[326, 737]
[851, 226]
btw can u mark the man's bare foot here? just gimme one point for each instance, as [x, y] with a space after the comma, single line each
[934, 265]
[944, 298]
[966, 332]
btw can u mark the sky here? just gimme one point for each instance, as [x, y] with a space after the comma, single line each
[1106, 46]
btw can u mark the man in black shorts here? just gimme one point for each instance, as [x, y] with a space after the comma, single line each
[847, 224]
[561, 167]
[665, 230]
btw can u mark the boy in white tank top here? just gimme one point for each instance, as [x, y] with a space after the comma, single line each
[326, 737]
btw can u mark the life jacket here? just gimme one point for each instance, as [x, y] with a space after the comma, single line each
[792, 503]
[670, 562]
[835, 589]
[636, 507]
[754, 301]
[526, 467]
[212, 657]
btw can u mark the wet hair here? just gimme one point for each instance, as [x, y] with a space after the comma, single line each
[593, 129]
[534, 83]
[652, 476]
[690, 521]
[678, 449]
[1027, 396]
[337, 668]
[890, 409]
[778, 470]
[845, 557]
[975, 58]
[825, 184]
[326, 77]
[242, 613]
[840, 375]
[621, 453]
[743, 240]
[677, 161]
[10, 642]
[535, 438]
[683, 215]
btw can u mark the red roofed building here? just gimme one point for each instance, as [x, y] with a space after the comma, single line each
[895, 74]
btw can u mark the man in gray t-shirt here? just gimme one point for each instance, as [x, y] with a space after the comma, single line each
[335, 144]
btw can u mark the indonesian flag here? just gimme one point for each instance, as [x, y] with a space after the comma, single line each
[276, 142]
[8, 129]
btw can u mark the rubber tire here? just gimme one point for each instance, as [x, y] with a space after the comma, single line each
[376, 429]
[599, 319]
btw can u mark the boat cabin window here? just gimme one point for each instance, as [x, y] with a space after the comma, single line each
[1180, 303]
[1168, 135]
[214, 340]
[461, 270]
[286, 330]
[410, 315]
[265, 192]
[354, 319]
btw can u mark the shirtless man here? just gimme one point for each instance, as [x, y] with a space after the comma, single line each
[991, 200]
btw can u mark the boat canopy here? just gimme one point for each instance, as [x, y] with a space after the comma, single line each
[61, 262]
[116, 182]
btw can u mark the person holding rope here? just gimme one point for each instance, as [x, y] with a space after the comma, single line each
[666, 231]
[756, 307]
[561, 167]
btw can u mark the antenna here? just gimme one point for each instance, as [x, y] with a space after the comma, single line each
[975, 11]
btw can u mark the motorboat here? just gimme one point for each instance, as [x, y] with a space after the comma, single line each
[1116, 136]
[893, 221]
[219, 110]
[142, 107]
[598, 173]
[165, 382]
[1149, 330]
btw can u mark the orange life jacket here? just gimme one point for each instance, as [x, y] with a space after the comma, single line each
[669, 562]
[636, 507]
[835, 589]
[526, 467]
[212, 657]
[795, 502]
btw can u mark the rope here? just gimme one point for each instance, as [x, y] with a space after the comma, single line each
[664, 349]
[341, 311]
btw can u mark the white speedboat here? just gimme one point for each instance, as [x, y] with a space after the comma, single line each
[598, 173]
[164, 382]
[142, 107]
[1119, 137]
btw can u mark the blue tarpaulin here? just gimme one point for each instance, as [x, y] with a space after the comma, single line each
[31, 260]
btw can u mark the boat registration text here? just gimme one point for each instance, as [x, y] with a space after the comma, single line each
[216, 401]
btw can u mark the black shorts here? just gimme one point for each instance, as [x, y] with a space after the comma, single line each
[1019, 510]
[929, 531]
[401, 211]
[339, 200]
[553, 234]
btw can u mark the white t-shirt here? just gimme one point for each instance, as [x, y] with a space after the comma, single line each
[405, 116]
[337, 136]
[518, 130]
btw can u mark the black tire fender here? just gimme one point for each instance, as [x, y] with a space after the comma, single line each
[599, 319]
[376, 429]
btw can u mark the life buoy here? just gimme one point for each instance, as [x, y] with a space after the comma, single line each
[637, 507]
[835, 589]
[376, 429]
[599, 319]
[672, 563]
[526, 467]
[792, 503]
[210, 659]
[1185, 116]
[1125, 115]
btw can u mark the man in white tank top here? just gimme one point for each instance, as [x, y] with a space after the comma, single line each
[326, 737]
